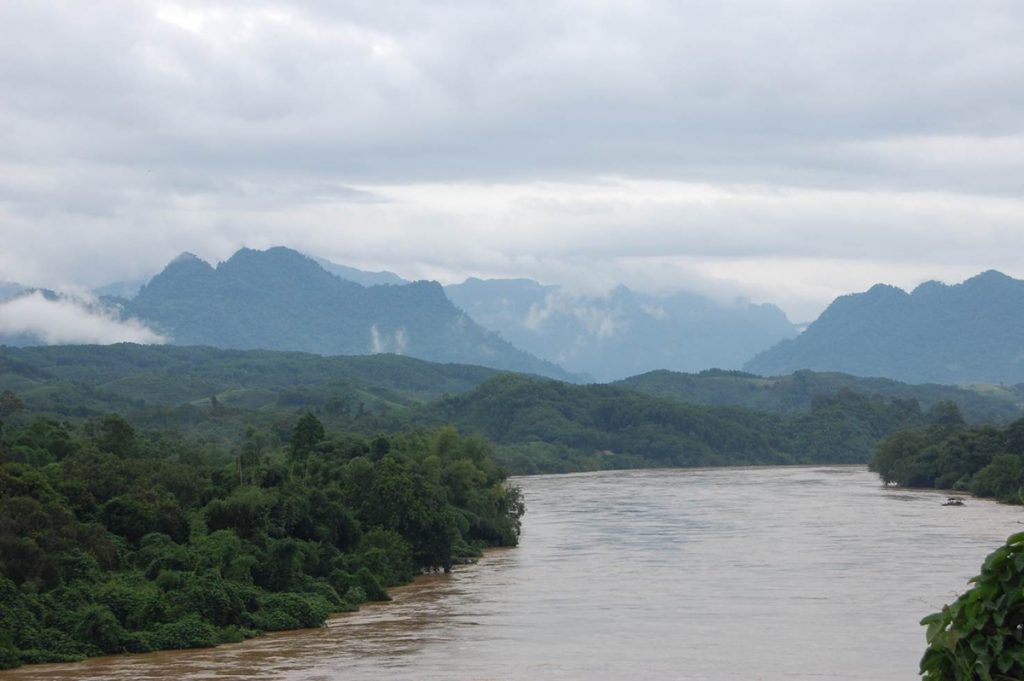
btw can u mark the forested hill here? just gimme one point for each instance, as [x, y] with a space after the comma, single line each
[548, 426]
[82, 379]
[280, 299]
[968, 333]
[797, 391]
[215, 396]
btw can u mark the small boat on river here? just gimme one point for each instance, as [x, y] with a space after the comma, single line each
[953, 501]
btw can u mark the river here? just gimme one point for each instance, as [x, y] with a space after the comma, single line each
[732, 574]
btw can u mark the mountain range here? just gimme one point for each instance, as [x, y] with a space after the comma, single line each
[279, 299]
[971, 332]
[622, 333]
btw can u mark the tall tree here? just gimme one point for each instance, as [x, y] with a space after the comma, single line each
[308, 432]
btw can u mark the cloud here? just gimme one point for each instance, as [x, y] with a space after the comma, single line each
[397, 344]
[68, 320]
[598, 318]
[735, 148]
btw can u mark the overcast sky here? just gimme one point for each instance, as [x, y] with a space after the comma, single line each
[788, 151]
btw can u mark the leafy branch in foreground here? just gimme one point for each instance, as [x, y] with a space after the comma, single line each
[980, 637]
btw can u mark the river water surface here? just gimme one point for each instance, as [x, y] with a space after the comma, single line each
[717, 575]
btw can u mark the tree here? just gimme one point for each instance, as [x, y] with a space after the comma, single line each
[945, 415]
[1015, 437]
[9, 404]
[307, 434]
[116, 436]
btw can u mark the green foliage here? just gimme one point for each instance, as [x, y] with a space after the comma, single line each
[116, 436]
[798, 392]
[307, 434]
[949, 455]
[9, 405]
[980, 637]
[126, 541]
[712, 418]
[546, 426]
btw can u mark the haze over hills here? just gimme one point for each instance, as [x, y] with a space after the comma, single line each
[9, 288]
[280, 299]
[971, 332]
[622, 333]
[361, 277]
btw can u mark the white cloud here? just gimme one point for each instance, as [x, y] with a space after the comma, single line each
[600, 321]
[398, 343]
[774, 150]
[69, 319]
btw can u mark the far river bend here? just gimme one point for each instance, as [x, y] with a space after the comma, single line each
[730, 574]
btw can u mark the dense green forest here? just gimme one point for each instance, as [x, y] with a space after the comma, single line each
[797, 391]
[548, 426]
[113, 539]
[129, 375]
[986, 461]
[212, 398]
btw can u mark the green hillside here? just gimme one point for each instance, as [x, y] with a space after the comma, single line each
[798, 391]
[214, 397]
[548, 426]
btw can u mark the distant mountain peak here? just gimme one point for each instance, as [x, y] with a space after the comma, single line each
[990, 275]
[928, 288]
[886, 290]
[990, 279]
[971, 332]
[185, 258]
[280, 299]
[361, 277]
[278, 254]
[620, 332]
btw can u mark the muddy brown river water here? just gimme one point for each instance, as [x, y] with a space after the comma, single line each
[720, 575]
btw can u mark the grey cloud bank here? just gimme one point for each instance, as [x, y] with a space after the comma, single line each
[784, 151]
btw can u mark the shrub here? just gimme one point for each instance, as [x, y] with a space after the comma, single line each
[291, 611]
[188, 632]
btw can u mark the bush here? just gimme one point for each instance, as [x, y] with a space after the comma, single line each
[291, 611]
[8, 657]
[98, 626]
[980, 637]
[188, 632]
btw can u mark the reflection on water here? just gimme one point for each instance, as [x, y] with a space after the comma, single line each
[724, 574]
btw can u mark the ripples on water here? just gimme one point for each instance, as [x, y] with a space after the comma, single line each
[717, 575]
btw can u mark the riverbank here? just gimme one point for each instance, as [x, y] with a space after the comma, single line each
[812, 572]
[273, 648]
